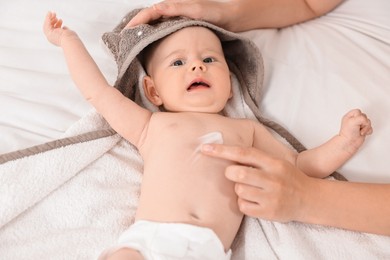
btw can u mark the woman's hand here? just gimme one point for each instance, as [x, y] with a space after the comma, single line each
[216, 12]
[274, 189]
[266, 187]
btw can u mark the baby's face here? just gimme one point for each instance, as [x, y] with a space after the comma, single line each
[188, 72]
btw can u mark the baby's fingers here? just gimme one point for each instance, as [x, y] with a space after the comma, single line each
[53, 28]
[357, 121]
[364, 123]
[353, 113]
[366, 128]
[52, 21]
[57, 24]
[47, 24]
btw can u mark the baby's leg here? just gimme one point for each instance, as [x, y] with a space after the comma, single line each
[125, 254]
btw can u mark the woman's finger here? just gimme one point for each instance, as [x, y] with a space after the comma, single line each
[243, 155]
[244, 174]
[210, 11]
[145, 16]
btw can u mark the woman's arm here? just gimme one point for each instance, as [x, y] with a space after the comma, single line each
[239, 15]
[360, 207]
[274, 189]
[253, 14]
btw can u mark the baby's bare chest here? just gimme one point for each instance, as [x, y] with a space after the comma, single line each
[183, 134]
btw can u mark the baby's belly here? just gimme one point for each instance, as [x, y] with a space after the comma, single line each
[191, 191]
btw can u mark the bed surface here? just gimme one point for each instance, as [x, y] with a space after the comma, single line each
[315, 72]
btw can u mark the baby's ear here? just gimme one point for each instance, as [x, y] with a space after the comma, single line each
[151, 91]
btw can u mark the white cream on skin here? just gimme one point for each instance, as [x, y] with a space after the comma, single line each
[209, 138]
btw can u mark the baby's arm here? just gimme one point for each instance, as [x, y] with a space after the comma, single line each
[325, 159]
[108, 101]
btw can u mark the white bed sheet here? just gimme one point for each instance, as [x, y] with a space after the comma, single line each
[315, 72]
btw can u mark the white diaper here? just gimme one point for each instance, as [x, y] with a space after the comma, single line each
[160, 241]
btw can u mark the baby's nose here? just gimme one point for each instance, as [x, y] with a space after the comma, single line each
[198, 66]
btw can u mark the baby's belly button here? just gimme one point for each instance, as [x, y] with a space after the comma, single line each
[194, 216]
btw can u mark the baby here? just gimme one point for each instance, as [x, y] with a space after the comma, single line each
[188, 208]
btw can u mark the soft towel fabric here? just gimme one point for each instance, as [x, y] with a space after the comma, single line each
[260, 239]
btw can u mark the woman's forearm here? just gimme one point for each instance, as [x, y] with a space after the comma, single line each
[353, 206]
[252, 14]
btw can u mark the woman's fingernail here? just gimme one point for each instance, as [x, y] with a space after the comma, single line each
[207, 148]
[160, 6]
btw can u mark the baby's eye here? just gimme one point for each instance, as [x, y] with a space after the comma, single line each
[178, 63]
[208, 60]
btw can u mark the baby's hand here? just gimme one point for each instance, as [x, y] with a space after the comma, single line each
[53, 29]
[355, 126]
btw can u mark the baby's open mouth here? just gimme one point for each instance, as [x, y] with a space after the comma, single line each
[197, 85]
